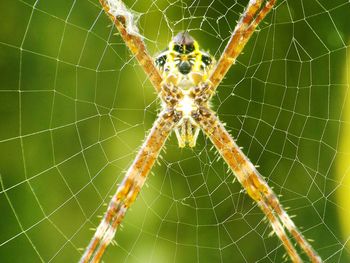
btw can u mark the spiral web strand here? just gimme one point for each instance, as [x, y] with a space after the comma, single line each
[75, 108]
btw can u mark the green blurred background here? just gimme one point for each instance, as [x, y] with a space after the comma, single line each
[75, 107]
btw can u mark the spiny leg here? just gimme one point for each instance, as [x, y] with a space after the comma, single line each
[129, 188]
[273, 201]
[126, 25]
[235, 164]
[255, 185]
[279, 230]
[246, 26]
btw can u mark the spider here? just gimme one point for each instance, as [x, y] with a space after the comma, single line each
[185, 79]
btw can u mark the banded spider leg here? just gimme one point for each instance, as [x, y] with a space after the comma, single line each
[130, 187]
[254, 184]
[250, 19]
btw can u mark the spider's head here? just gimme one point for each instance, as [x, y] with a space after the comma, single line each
[183, 54]
[185, 49]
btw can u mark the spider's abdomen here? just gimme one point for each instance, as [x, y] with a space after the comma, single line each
[181, 102]
[184, 98]
[185, 69]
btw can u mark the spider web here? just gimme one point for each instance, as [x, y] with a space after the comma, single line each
[75, 108]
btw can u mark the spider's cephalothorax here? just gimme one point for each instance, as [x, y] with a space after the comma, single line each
[185, 70]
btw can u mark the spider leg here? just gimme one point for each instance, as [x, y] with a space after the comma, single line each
[246, 26]
[124, 20]
[129, 188]
[254, 184]
[273, 201]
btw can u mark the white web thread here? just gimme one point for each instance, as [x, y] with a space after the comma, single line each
[118, 8]
[199, 184]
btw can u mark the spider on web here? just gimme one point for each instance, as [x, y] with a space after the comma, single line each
[185, 79]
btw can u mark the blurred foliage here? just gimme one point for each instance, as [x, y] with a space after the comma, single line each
[343, 171]
[75, 107]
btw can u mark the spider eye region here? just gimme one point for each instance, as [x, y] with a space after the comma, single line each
[184, 67]
[183, 57]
